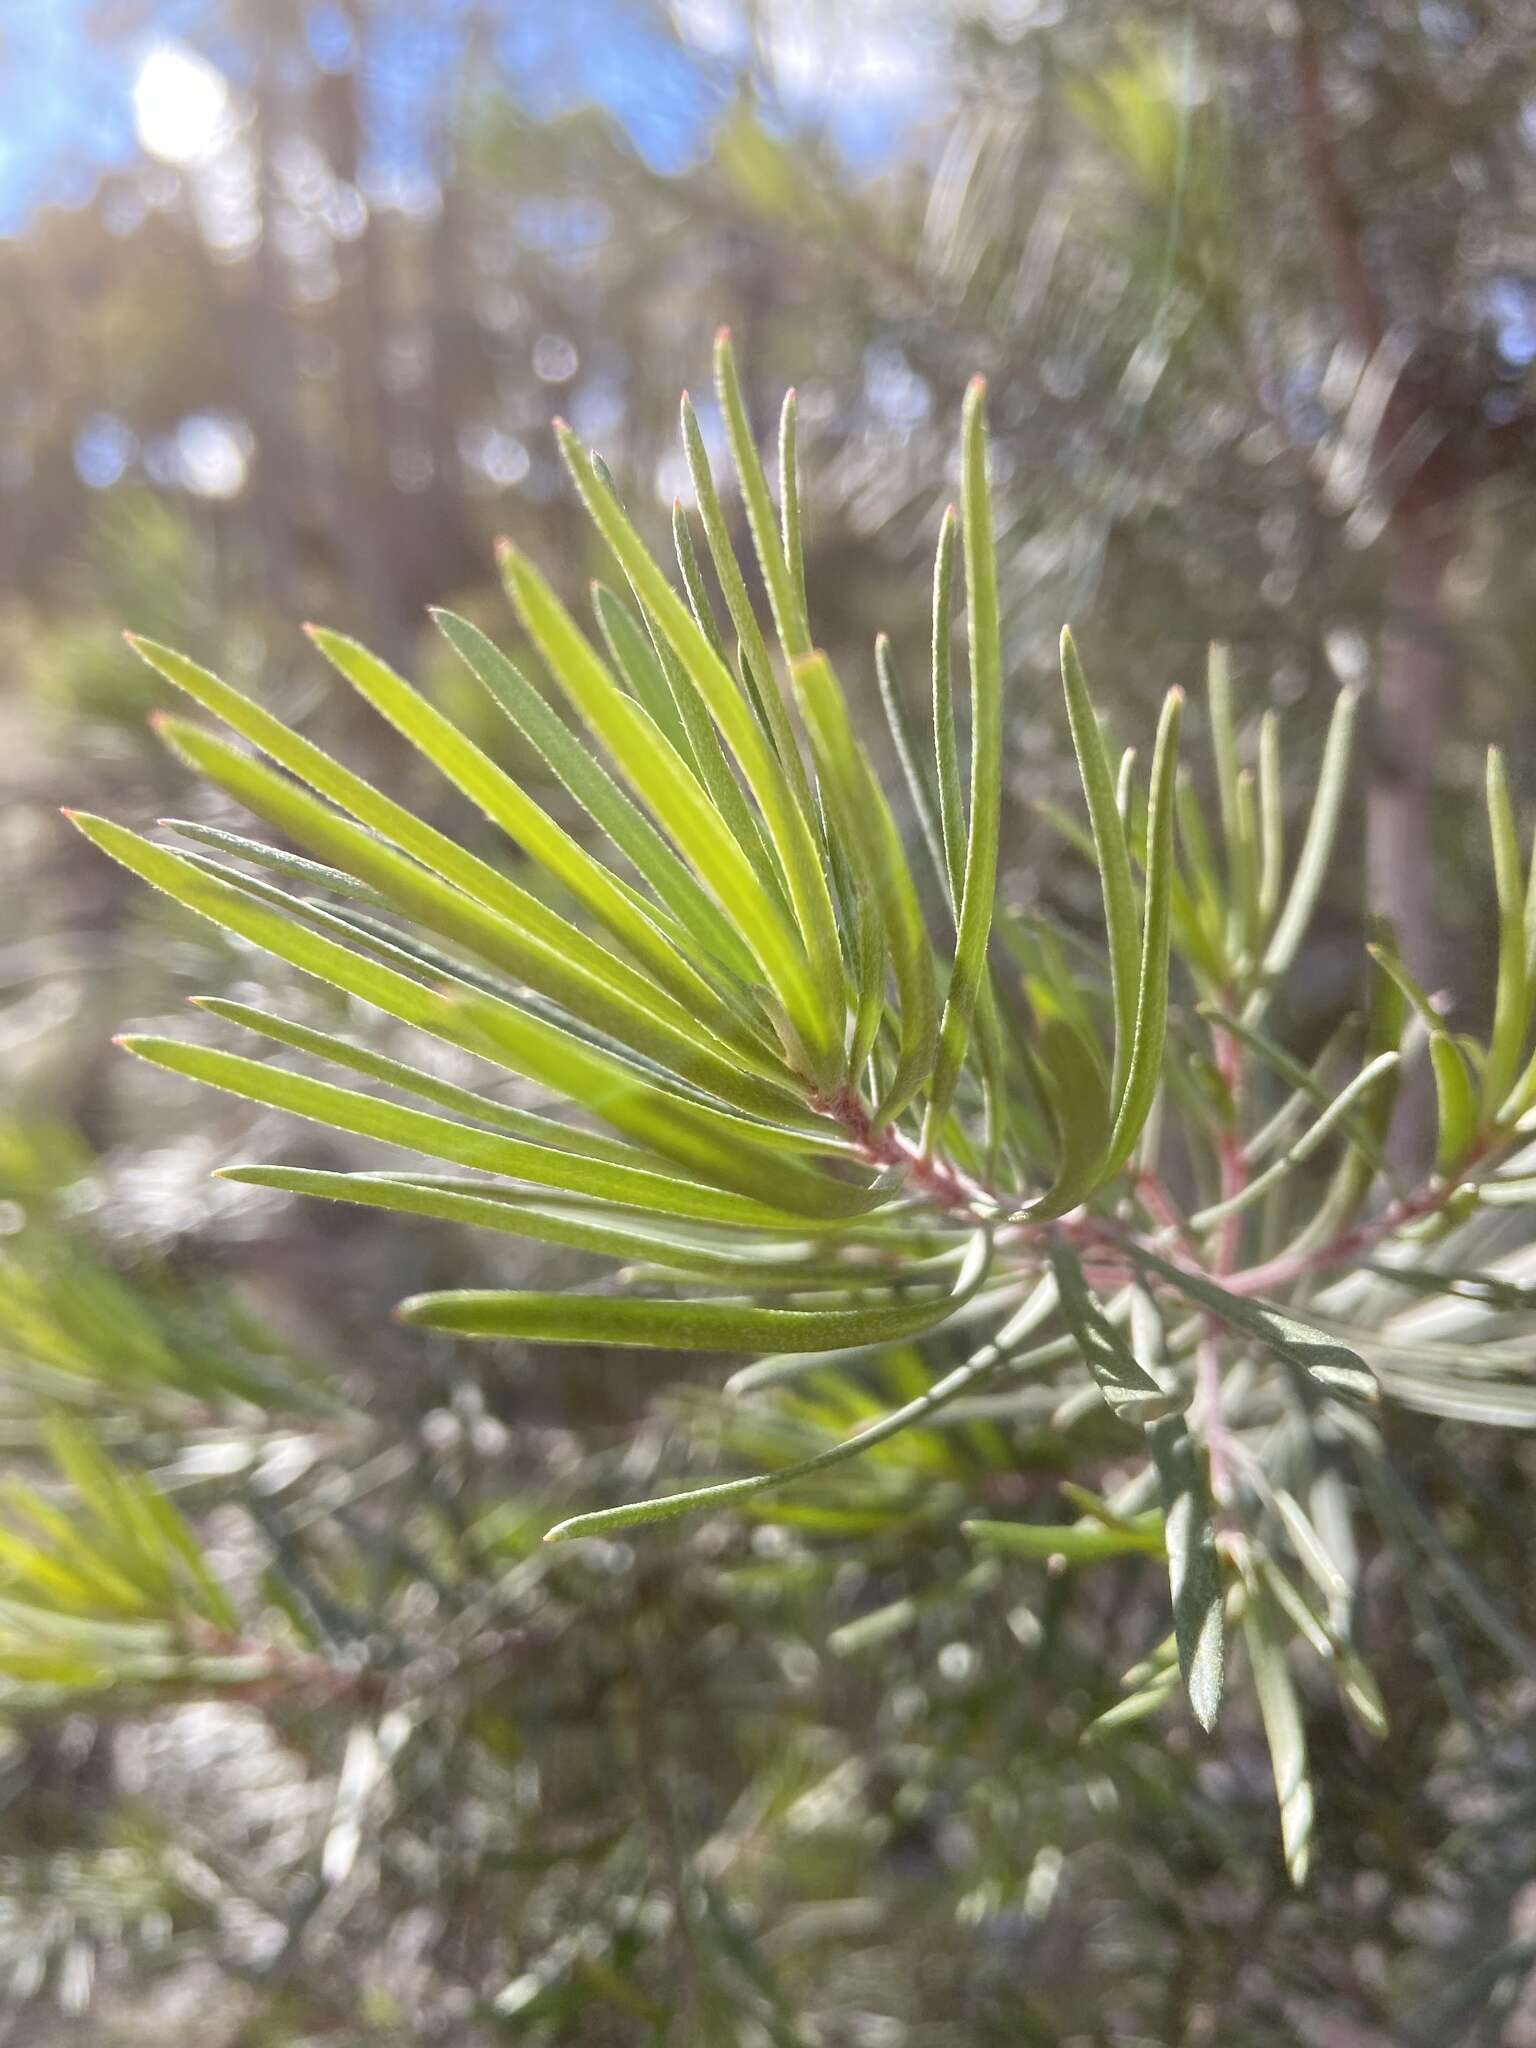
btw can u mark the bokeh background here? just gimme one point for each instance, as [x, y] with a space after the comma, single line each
[289, 295]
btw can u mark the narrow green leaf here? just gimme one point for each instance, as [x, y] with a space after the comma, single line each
[543, 1223]
[737, 601]
[1111, 855]
[1331, 1364]
[1271, 821]
[1511, 1010]
[789, 825]
[1077, 1099]
[537, 946]
[471, 770]
[789, 507]
[1307, 1082]
[463, 1102]
[1137, 1708]
[667, 785]
[1129, 1390]
[369, 1116]
[1218, 685]
[869, 831]
[636, 661]
[293, 867]
[1334, 1117]
[434, 850]
[1456, 1101]
[1143, 1071]
[726, 1149]
[908, 753]
[1248, 925]
[1076, 1542]
[667, 1325]
[1194, 1571]
[693, 579]
[946, 751]
[592, 787]
[1281, 1714]
[1316, 850]
[944, 1391]
[794, 635]
[979, 885]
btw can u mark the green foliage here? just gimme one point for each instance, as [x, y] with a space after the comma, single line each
[809, 1119]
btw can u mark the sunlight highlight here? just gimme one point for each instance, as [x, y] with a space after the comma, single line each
[181, 105]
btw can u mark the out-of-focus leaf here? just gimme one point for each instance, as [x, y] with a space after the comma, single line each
[1194, 1574]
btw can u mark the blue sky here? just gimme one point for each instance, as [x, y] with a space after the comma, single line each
[66, 94]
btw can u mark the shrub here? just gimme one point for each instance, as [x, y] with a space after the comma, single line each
[803, 1118]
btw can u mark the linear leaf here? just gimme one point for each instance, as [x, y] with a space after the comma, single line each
[381, 814]
[734, 589]
[1281, 1714]
[635, 660]
[794, 634]
[1194, 1572]
[544, 1223]
[1144, 1070]
[789, 506]
[1111, 853]
[1316, 849]
[668, 1325]
[292, 866]
[488, 786]
[788, 823]
[908, 753]
[1335, 1116]
[537, 946]
[368, 1116]
[720, 1145]
[1129, 1390]
[1331, 1364]
[1077, 1097]
[1271, 821]
[945, 750]
[979, 885]
[693, 579]
[464, 1102]
[665, 783]
[1077, 1542]
[1511, 1010]
[598, 794]
[870, 832]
